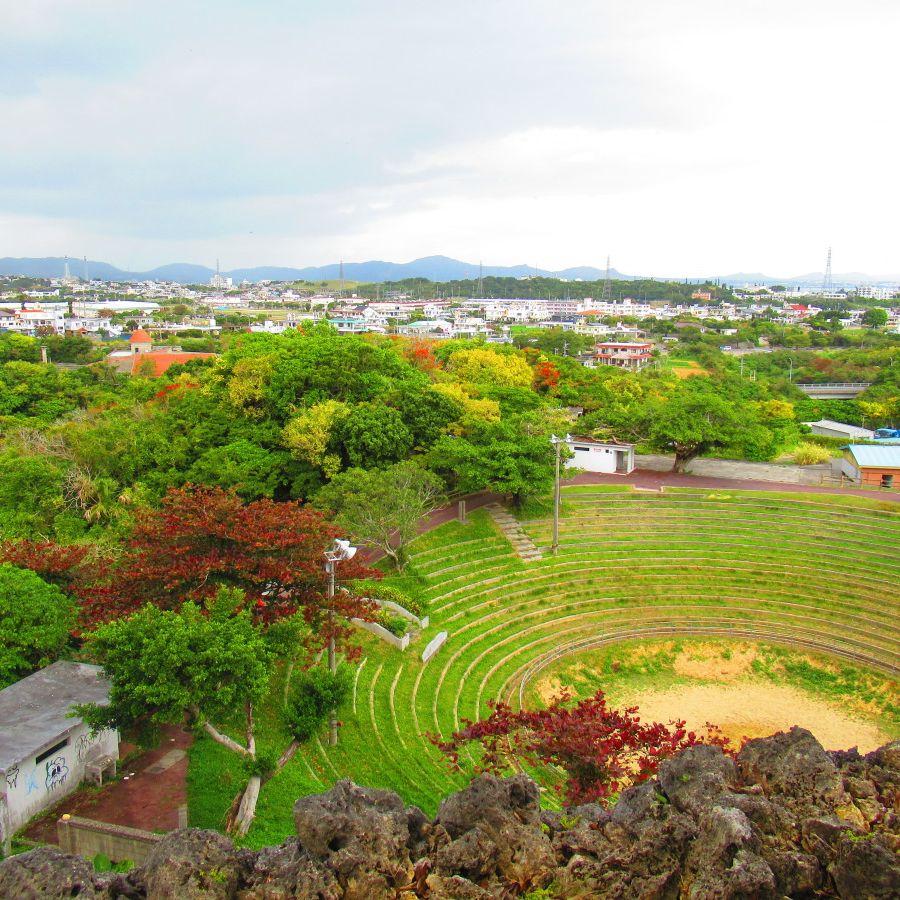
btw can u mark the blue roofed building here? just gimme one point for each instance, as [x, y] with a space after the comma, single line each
[872, 465]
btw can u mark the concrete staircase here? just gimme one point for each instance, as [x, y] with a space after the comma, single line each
[512, 530]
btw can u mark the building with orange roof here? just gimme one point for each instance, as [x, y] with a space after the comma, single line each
[140, 341]
[142, 359]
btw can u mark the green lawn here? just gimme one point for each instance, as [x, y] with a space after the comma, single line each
[788, 570]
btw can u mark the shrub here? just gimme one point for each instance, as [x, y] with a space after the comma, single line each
[809, 454]
[262, 764]
[375, 590]
[396, 625]
[315, 693]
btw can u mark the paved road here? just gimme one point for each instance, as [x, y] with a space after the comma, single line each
[653, 480]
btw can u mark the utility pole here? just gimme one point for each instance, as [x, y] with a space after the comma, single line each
[554, 548]
[340, 551]
[332, 661]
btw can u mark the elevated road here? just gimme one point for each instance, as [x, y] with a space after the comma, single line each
[843, 391]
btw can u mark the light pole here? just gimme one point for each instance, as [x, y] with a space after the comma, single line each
[340, 551]
[554, 549]
[791, 369]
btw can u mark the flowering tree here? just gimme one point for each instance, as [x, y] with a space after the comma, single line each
[602, 750]
[546, 376]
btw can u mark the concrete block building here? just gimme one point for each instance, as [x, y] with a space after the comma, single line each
[609, 457]
[44, 754]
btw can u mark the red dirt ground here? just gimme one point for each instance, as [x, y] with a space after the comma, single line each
[150, 801]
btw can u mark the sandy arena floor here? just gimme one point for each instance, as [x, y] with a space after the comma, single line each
[753, 709]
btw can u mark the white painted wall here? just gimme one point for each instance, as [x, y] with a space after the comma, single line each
[592, 459]
[31, 786]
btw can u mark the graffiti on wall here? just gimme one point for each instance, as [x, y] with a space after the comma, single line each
[85, 742]
[57, 772]
[31, 783]
[12, 777]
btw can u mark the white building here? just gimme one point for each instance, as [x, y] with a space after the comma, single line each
[830, 428]
[874, 292]
[45, 755]
[608, 457]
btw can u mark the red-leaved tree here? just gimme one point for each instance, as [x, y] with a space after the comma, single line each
[602, 750]
[60, 564]
[204, 538]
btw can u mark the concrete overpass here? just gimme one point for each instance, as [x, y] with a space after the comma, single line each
[843, 391]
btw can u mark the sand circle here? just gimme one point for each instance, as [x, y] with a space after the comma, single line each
[753, 709]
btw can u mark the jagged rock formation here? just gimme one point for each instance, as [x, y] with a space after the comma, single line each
[784, 819]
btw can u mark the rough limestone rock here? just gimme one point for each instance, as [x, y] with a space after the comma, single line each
[287, 872]
[785, 819]
[866, 867]
[47, 874]
[697, 778]
[190, 863]
[494, 833]
[362, 836]
[793, 765]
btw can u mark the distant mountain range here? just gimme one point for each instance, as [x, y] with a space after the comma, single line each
[434, 268]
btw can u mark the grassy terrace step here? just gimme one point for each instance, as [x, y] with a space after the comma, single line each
[809, 572]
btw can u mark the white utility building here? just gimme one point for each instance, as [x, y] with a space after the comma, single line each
[44, 754]
[608, 457]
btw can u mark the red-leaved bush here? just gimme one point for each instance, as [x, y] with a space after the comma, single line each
[602, 750]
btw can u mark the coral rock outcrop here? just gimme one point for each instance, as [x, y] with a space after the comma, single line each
[783, 819]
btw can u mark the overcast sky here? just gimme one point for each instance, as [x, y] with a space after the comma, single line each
[680, 138]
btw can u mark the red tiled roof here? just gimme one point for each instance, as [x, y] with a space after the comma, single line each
[140, 337]
[161, 361]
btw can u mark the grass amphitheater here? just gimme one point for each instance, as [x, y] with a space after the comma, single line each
[650, 592]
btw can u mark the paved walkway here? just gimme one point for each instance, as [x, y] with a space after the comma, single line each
[151, 792]
[654, 480]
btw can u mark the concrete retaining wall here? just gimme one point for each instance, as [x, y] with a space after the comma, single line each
[401, 643]
[725, 468]
[401, 611]
[88, 838]
[434, 645]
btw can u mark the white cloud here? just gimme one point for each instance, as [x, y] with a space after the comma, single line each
[687, 138]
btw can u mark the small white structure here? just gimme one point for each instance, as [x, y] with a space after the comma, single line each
[609, 457]
[45, 755]
[830, 428]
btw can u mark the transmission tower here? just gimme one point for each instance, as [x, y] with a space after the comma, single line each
[827, 284]
[480, 279]
[341, 277]
[606, 297]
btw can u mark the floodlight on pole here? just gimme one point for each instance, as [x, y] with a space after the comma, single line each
[340, 551]
[557, 444]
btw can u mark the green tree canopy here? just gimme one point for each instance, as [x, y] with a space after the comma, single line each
[510, 457]
[382, 508]
[373, 435]
[36, 621]
[876, 317]
[694, 419]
